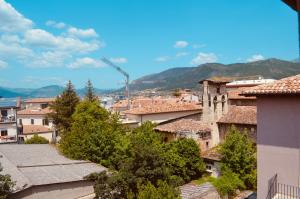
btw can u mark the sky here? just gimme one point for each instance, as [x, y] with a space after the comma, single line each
[52, 41]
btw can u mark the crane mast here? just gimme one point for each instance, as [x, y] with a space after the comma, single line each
[123, 73]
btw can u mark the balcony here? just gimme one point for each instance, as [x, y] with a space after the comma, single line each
[7, 119]
[282, 191]
[8, 139]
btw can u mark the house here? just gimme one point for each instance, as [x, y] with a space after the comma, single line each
[40, 171]
[186, 128]
[8, 121]
[33, 119]
[161, 111]
[278, 137]
[242, 117]
[236, 99]
[212, 159]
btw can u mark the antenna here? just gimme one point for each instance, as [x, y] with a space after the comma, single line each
[123, 73]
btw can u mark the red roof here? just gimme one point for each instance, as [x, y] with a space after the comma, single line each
[30, 129]
[236, 94]
[40, 100]
[34, 112]
[184, 125]
[240, 115]
[285, 86]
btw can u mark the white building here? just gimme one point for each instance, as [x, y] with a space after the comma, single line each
[8, 122]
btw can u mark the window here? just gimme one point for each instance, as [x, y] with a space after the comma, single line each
[3, 132]
[207, 145]
[20, 122]
[209, 100]
[44, 106]
[218, 90]
[215, 103]
[4, 113]
[223, 103]
[46, 122]
[32, 121]
[208, 167]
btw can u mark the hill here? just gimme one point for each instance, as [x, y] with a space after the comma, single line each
[188, 77]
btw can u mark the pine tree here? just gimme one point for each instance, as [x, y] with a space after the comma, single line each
[63, 108]
[90, 93]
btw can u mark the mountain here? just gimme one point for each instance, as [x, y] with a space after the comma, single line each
[8, 93]
[188, 77]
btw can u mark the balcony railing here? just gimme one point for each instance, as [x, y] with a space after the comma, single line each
[7, 119]
[8, 139]
[282, 191]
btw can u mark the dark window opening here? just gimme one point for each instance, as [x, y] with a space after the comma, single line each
[20, 122]
[32, 121]
[44, 106]
[218, 90]
[4, 133]
[4, 113]
[45, 122]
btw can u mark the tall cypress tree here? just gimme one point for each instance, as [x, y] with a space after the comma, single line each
[63, 108]
[90, 92]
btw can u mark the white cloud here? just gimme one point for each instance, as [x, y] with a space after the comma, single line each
[3, 64]
[22, 42]
[256, 57]
[162, 59]
[86, 62]
[118, 60]
[203, 58]
[181, 54]
[84, 33]
[12, 20]
[54, 24]
[181, 44]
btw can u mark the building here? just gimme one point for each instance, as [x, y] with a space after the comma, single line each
[158, 112]
[242, 117]
[186, 128]
[41, 172]
[215, 104]
[33, 119]
[236, 99]
[212, 159]
[278, 137]
[8, 121]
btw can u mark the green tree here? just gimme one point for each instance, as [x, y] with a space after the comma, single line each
[36, 139]
[162, 191]
[90, 93]
[63, 108]
[89, 118]
[183, 159]
[239, 156]
[6, 185]
[228, 183]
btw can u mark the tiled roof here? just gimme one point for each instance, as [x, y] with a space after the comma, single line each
[218, 80]
[143, 101]
[184, 125]
[40, 100]
[34, 112]
[212, 154]
[166, 107]
[240, 115]
[236, 94]
[30, 129]
[285, 86]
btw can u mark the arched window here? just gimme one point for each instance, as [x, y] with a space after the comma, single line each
[215, 103]
[223, 103]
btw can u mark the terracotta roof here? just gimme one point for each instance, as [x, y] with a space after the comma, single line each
[34, 112]
[212, 154]
[166, 107]
[143, 101]
[240, 115]
[40, 100]
[218, 80]
[184, 125]
[285, 86]
[29, 129]
[236, 94]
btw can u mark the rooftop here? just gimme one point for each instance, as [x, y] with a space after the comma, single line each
[240, 115]
[40, 100]
[29, 129]
[184, 125]
[41, 164]
[34, 111]
[246, 83]
[212, 154]
[218, 80]
[236, 94]
[285, 86]
[164, 107]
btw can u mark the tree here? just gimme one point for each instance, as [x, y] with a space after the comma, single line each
[36, 139]
[239, 156]
[88, 119]
[183, 159]
[6, 185]
[63, 108]
[90, 93]
[162, 191]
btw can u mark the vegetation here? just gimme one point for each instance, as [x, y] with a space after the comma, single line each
[63, 108]
[238, 163]
[6, 185]
[36, 139]
[90, 94]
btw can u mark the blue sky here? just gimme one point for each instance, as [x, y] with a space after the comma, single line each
[51, 41]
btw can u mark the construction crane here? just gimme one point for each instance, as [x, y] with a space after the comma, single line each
[123, 73]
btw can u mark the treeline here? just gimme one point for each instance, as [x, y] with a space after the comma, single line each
[141, 164]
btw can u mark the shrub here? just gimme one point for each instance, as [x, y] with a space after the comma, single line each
[36, 139]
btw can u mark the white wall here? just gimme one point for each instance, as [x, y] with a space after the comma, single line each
[38, 120]
[48, 135]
